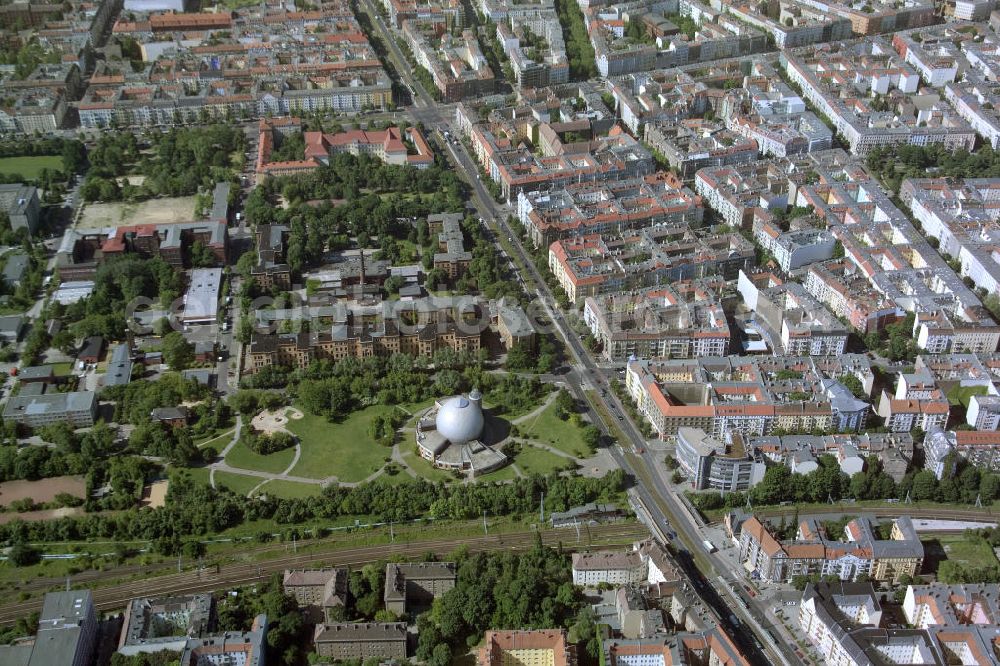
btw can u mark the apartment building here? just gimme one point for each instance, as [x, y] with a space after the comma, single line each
[695, 144]
[964, 218]
[979, 449]
[612, 568]
[797, 24]
[451, 257]
[860, 552]
[258, 62]
[78, 408]
[792, 249]
[66, 634]
[457, 65]
[605, 208]
[153, 624]
[736, 194]
[717, 37]
[569, 152]
[747, 395]
[596, 265]
[361, 640]
[840, 285]
[324, 590]
[531, 37]
[675, 321]
[846, 624]
[445, 14]
[871, 66]
[801, 452]
[541, 647]
[416, 584]
[22, 206]
[805, 326]
[418, 328]
[709, 646]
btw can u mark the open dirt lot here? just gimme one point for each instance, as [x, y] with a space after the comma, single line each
[42, 491]
[155, 211]
[154, 495]
[48, 514]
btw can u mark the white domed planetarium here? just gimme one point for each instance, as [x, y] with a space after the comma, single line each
[456, 434]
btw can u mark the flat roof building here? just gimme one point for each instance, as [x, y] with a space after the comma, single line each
[78, 408]
[67, 629]
[201, 300]
[120, 366]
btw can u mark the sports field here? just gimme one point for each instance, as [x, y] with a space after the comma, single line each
[30, 167]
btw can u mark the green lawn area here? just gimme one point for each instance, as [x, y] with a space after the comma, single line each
[242, 457]
[197, 474]
[534, 460]
[550, 429]
[62, 369]
[960, 549]
[416, 409]
[395, 479]
[960, 395]
[514, 414]
[217, 439]
[238, 483]
[505, 473]
[290, 489]
[30, 167]
[344, 449]
[422, 467]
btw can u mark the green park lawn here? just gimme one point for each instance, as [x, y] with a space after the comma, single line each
[217, 440]
[960, 395]
[62, 369]
[290, 489]
[550, 429]
[505, 473]
[240, 484]
[276, 463]
[533, 460]
[396, 479]
[344, 450]
[197, 474]
[31, 166]
[421, 467]
[972, 552]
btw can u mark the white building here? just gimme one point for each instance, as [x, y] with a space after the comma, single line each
[590, 569]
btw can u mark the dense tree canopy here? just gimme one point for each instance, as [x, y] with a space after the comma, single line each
[195, 509]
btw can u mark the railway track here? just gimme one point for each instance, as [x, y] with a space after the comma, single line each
[236, 574]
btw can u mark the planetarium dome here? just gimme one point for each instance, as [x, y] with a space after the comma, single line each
[460, 419]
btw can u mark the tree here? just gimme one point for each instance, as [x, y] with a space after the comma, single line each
[518, 358]
[565, 404]
[24, 555]
[201, 255]
[591, 437]
[162, 327]
[772, 488]
[177, 351]
[924, 485]
[854, 385]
